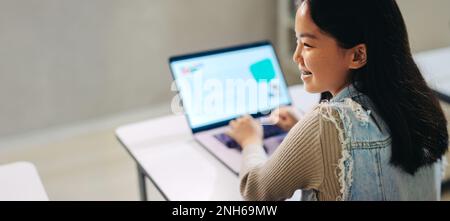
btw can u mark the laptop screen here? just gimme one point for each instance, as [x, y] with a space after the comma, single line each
[218, 86]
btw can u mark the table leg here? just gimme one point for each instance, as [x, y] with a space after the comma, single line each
[142, 186]
[445, 187]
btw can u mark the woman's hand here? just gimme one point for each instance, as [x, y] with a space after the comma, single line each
[284, 117]
[246, 131]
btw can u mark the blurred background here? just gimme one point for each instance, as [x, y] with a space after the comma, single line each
[71, 71]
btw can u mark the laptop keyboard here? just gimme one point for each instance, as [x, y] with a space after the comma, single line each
[268, 130]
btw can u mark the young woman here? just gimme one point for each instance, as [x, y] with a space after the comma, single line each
[383, 133]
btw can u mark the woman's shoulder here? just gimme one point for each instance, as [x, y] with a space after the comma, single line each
[321, 112]
[324, 116]
[311, 121]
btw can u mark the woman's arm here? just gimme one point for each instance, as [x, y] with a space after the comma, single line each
[296, 164]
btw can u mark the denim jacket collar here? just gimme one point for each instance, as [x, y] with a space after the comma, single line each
[347, 92]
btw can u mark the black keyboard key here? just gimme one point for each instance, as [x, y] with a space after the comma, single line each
[227, 140]
[268, 131]
[272, 130]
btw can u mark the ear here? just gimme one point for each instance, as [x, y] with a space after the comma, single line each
[359, 56]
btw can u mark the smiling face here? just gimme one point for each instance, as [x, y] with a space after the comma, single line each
[323, 64]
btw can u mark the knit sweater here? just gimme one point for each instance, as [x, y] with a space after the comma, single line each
[307, 159]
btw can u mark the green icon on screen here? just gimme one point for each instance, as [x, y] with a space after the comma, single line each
[263, 70]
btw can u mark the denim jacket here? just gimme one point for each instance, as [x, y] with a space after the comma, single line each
[364, 171]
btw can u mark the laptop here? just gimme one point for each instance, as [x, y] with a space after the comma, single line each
[220, 85]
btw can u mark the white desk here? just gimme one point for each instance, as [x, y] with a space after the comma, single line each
[20, 182]
[180, 168]
[435, 66]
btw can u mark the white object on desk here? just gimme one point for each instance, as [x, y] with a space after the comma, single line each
[435, 67]
[181, 169]
[20, 182]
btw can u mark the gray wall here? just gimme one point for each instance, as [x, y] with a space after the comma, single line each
[62, 61]
[428, 23]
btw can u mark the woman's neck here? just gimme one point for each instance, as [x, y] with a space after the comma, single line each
[336, 91]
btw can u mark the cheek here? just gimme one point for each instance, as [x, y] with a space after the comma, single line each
[316, 63]
[310, 60]
[325, 66]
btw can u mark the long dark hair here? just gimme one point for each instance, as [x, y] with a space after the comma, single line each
[391, 78]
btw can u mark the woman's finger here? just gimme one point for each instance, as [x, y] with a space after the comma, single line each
[232, 123]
